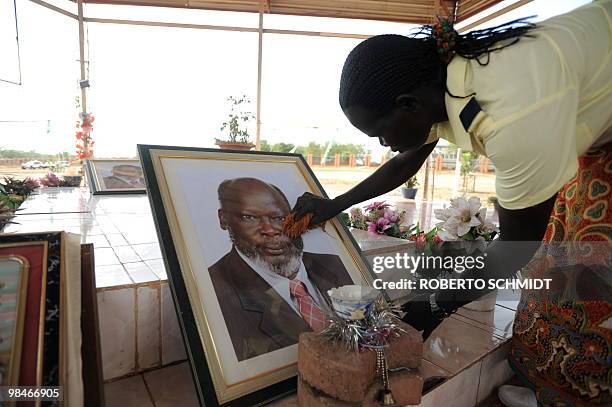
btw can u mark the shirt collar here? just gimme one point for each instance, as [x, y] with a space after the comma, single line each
[281, 284]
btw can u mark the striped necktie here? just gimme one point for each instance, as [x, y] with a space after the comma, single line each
[309, 310]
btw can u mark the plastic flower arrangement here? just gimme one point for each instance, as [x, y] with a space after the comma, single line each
[379, 218]
[50, 180]
[424, 241]
[464, 219]
[84, 141]
[13, 186]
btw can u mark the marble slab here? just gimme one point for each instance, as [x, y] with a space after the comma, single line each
[498, 321]
[116, 309]
[371, 243]
[148, 330]
[455, 345]
[173, 348]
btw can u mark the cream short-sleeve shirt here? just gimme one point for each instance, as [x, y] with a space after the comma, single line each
[545, 101]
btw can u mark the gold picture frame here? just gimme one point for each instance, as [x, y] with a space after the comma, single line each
[43, 292]
[215, 379]
[22, 268]
[103, 178]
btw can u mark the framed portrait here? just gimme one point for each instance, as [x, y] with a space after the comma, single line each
[115, 177]
[33, 256]
[239, 284]
[51, 345]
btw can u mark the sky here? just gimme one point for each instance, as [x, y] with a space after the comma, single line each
[168, 86]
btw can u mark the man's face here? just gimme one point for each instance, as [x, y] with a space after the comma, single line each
[253, 214]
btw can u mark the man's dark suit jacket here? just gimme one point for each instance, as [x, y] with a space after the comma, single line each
[258, 319]
[113, 182]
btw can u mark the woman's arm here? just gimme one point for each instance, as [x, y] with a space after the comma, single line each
[524, 228]
[388, 177]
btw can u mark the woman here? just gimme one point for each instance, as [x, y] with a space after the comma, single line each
[538, 102]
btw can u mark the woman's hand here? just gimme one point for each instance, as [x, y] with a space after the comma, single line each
[322, 208]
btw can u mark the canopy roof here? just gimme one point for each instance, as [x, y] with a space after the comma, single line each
[404, 11]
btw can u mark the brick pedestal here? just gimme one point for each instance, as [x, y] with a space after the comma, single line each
[330, 375]
[406, 387]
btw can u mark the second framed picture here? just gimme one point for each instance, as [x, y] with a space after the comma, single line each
[115, 177]
[234, 275]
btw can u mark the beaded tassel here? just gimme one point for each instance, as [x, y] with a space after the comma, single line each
[385, 397]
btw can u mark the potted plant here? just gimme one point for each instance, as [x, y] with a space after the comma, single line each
[409, 189]
[239, 117]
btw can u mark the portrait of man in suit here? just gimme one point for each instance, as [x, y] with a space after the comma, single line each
[125, 176]
[269, 289]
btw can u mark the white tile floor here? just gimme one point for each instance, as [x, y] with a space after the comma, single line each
[171, 386]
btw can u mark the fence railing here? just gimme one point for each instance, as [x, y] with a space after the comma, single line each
[440, 163]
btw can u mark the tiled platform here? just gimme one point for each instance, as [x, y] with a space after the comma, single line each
[477, 380]
[139, 330]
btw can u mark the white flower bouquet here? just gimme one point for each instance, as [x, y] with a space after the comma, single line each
[464, 219]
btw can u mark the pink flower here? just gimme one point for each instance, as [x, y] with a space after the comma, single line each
[377, 205]
[421, 241]
[379, 226]
[50, 180]
[31, 183]
[356, 214]
[391, 215]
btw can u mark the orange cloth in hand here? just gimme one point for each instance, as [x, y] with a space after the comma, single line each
[294, 229]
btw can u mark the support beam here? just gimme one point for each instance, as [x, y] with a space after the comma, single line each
[56, 9]
[170, 25]
[491, 16]
[224, 28]
[82, 63]
[259, 63]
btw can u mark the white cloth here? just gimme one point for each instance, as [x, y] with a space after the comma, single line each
[280, 284]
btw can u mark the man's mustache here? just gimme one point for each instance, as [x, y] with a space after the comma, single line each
[283, 241]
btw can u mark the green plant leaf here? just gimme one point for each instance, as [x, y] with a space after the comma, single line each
[345, 218]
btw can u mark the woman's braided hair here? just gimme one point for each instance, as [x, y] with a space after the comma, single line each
[384, 66]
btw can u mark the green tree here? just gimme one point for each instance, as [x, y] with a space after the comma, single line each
[25, 154]
[469, 161]
[313, 148]
[264, 145]
[346, 149]
[282, 147]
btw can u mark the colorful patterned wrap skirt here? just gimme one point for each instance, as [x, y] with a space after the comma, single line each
[562, 337]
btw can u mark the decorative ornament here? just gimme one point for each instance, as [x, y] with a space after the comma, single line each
[364, 321]
[84, 141]
[385, 397]
[446, 37]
